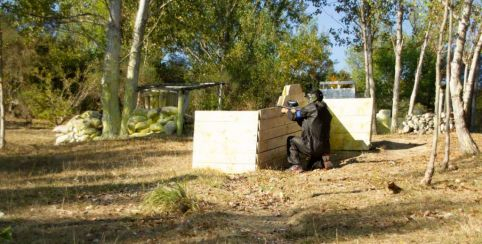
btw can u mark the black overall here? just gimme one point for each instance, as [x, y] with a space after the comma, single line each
[314, 142]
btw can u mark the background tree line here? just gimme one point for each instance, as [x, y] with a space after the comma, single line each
[54, 51]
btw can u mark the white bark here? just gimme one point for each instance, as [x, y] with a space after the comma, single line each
[2, 107]
[470, 81]
[466, 143]
[367, 43]
[418, 72]
[130, 94]
[111, 75]
[448, 110]
[398, 67]
[427, 180]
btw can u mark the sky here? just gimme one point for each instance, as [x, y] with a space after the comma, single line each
[326, 20]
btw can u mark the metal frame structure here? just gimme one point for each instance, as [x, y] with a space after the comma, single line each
[182, 90]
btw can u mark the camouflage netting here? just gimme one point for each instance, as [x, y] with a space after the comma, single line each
[145, 122]
[84, 127]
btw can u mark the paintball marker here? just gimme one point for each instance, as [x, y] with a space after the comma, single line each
[291, 104]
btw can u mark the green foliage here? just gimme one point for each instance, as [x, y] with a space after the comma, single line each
[383, 72]
[6, 234]
[170, 199]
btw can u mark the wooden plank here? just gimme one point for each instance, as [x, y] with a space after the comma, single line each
[226, 116]
[279, 131]
[229, 168]
[269, 113]
[225, 140]
[273, 163]
[274, 122]
[273, 153]
[275, 142]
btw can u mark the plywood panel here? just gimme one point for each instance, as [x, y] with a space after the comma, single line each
[229, 168]
[351, 123]
[225, 140]
[275, 142]
[279, 131]
[269, 113]
[273, 153]
[274, 122]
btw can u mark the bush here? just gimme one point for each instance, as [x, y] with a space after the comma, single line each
[170, 199]
[6, 234]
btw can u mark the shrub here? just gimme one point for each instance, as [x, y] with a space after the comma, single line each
[170, 199]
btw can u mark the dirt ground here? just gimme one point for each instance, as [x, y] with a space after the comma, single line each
[92, 193]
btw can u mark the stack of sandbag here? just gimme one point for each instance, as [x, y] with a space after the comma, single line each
[84, 127]
[424, 123]
[144, 122]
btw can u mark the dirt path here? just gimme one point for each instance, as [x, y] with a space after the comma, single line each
[87, 193]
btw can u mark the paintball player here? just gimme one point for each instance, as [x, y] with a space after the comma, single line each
[312, 149]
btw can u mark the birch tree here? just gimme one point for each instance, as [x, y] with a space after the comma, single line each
[2, 107]
[398, 67]
[466, 143]
[446, 161]
[130, 94]
[111, 75]
[427, 179]
[470, 81]
[418, 72]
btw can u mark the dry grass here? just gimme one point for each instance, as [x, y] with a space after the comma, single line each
[93, 192]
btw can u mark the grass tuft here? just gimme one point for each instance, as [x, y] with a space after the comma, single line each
[170, 199]
[6, 234]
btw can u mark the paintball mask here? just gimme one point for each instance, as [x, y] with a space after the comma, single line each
[315, 95]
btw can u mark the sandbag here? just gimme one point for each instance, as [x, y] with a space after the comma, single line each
[137, 118]
[170, 110]
[170, 128]
[156, 128]
[153, 114]
[91, 114]
[141, 126]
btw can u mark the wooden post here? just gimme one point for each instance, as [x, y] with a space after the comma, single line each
[220, 96]
[180, 112]
[146, 101]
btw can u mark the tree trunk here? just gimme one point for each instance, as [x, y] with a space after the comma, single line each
[398, 67]
[427, 179]
[418, 73]
[130, 90]
[111, 76]
[2, 107]
[368, 49]
[469, 85]
[366, 65]
[448, 111]
[466, 143]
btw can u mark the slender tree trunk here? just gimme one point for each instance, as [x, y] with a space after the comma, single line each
[366, 65]
[418, 73]
[466, 143]
[368, 49]
[469, 85]
[130, 94]
[2, 107]
[398, 67]
[427, 179]
[448, 110]
[110, 79]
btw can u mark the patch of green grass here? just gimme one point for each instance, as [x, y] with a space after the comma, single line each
[170, 199]
[6, 234]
